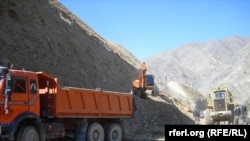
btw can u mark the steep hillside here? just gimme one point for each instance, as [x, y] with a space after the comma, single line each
[207, 65]
[42, 35]
[47, 37]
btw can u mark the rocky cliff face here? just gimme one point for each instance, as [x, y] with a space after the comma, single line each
[43, 35]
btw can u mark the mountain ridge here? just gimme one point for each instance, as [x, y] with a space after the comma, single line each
[206, 65]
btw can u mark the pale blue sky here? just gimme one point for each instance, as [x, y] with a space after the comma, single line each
[148, 27]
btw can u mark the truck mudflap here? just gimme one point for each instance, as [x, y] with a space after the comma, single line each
[221, 115]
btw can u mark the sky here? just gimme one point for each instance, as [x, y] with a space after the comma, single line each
[148, 27]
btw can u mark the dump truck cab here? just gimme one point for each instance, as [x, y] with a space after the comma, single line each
[20, 87]
[19, 101]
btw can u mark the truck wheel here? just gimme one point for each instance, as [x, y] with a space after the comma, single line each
[95, 132]
[27, 133]
[114, 132]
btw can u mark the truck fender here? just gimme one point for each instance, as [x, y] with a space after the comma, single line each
[24, 116]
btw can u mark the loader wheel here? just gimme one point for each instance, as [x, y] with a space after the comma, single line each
[95, 132]
[113, 132]
[27, 133]
[208, 120]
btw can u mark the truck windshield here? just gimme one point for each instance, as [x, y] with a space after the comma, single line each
[220, 94]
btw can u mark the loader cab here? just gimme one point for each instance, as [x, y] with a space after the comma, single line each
[219, 100]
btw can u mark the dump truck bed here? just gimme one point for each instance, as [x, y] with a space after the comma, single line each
[57, 101]
[91, 103]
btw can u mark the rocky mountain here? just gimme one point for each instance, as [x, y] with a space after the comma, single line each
[204, 66]
[43, 35]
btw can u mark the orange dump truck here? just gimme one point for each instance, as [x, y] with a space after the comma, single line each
[34, 107]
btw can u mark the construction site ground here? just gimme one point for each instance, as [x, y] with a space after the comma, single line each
[152, 115]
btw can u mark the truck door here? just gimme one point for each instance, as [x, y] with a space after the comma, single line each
[18, 102]
[19, 97]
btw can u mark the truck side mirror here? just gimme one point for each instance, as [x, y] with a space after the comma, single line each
[8, 87]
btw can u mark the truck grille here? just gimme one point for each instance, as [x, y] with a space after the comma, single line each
[219, 105]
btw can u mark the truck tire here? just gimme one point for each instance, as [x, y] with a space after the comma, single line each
[95, 132]
[114, 132]
[27, 133]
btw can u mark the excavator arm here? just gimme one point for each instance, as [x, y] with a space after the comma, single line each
[140, 82]
[139, 85]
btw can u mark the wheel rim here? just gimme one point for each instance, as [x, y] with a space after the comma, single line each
[95, 132]
[28, 133]
[114, 132]
[95, 135]
[31, 137]
[114, 135]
